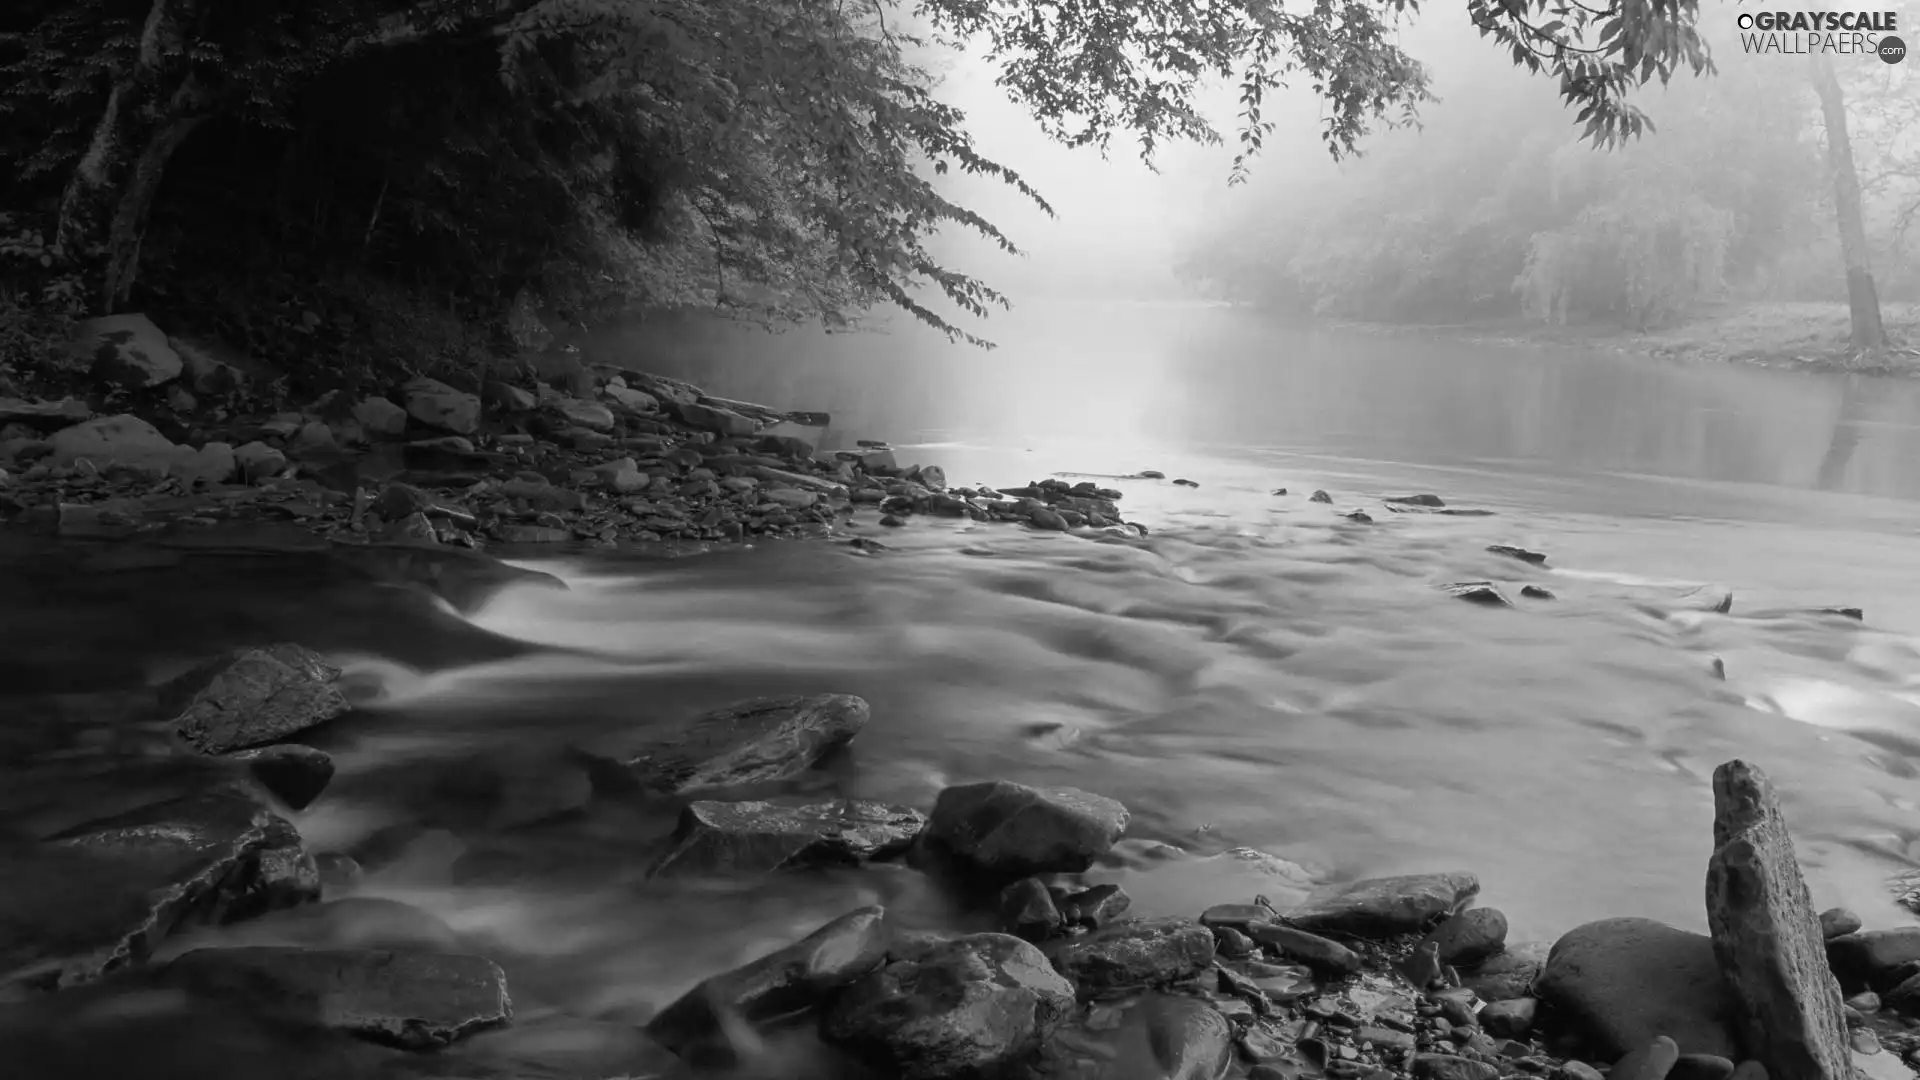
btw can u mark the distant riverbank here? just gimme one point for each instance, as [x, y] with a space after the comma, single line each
[1804, 336]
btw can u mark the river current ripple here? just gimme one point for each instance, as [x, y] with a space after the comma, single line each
[1259, 673]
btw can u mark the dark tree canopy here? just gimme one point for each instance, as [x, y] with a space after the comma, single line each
[778, 159]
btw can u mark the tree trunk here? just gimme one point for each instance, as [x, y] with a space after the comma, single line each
[1863, 299]
[153, 107]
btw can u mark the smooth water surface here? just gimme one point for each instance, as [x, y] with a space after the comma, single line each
[1260, 672]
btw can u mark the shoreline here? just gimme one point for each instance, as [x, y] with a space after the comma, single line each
[558, 459]
[1793, 337]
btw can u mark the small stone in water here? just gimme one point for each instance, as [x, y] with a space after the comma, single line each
[1237, 916]
[1524, 555]
[1183, 482]
[1536, 592]
[1320, 497]
[1477, 592]
[1837, 921]
[1279, 491]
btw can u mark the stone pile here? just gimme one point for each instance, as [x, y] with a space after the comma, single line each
[591, 455]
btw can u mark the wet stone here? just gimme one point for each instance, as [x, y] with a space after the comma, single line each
[1095, 907]
[1472, 937]
[249, 697]
[296, 775]
[757, 741]
[1027, 910]
[1163, 1036]
[1508, 975]
[1133, 954]
[1835, 922]
[414, 1001]
[1001, 831]
[763, 837]
[1231, 943]
[1329, 957]
[954, 1007]
[1385, 906]
[1621, 982]
[99, 896]
[1874, 958]
[1511, 1018]
[1524, 555]
[788, 980]
[1484, 593]
[1237, 916]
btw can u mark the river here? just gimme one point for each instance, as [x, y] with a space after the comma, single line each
[1261, 672]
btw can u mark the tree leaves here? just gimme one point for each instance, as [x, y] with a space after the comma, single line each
[791, 148]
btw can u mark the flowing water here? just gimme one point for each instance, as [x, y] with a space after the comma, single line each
[1260, 673]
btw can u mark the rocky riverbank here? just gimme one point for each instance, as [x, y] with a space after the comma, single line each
[1046, 974]
[154, 434]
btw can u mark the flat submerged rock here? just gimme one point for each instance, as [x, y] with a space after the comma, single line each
[410, 1000]
[1407, 904]
[100, 896]
[753, 742]
[764, 837]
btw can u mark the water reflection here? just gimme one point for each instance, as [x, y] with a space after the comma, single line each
[1196, 374]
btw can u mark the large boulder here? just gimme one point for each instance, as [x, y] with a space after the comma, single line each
[951, 1008]
[101, 895]
[127, 350]
[1134, 953]
[437, 405]
[415, 1001]
[380, 418]
[130, 442]
[1624, 982]
[761, 837]
[756, 741]
[1786, 1003]
[1407, 904]
[998, 832]
[250, 697]
[700, 1025]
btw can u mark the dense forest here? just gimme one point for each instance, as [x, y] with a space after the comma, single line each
[405, 183]
[1493, 209]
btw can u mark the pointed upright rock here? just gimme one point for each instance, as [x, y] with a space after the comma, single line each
[1766, 936]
